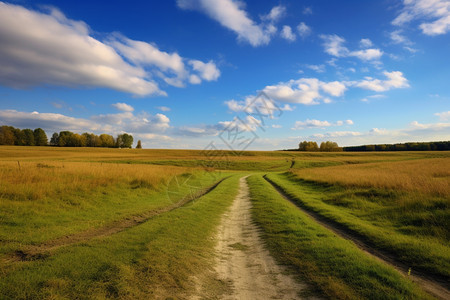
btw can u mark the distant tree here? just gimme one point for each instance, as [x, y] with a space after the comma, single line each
[40, 138]
[64, 138]
[106, 140]
[7, 135]
[54, 141]
[28, 137]
[92, 140]
[139, 146]
[19, 137]
[308, 146]
[329, 146]
[124, 140]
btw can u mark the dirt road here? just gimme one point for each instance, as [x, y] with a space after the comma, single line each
[243, 263]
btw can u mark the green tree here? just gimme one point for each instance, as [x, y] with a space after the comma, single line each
[54, 141]
[40, 138]
[28, 137]
[7, 135]
[329, 146]
[106, 140]
[139, 145]
[19, 137]
[124, 140]
[64, 138]
[308, 146]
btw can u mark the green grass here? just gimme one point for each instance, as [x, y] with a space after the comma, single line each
[154, 259]
[33, 222]
[336, 267]
[417, 236]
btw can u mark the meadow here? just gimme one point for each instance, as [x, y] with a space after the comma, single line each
[133, 223]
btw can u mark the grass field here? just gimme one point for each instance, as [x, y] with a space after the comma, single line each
[397, 202]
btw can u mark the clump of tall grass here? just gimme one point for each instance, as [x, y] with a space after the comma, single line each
[425, 176]
[35, 181]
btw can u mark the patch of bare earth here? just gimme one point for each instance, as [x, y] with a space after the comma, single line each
[243, 266]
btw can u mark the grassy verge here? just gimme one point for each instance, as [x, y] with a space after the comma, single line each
[154, 259]
[375, 216]
[56, 214]
[333, 265]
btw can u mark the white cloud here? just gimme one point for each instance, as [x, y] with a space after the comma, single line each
[310, 124]
[334, 45]
[142, 53]
[277, 126]
[318, 124]
[163, 108]
[56, 50]
[138, 125]
[317, 68]
[252, 104]
[335, 134]
[395, 80]
[307, 10]
[445, 115]
[153, 137]
[275, 14]
[365, 43]
[434, 15]
[207, 71]
[334, 88]
[194, 79]
[287, 33]
[50, 122]
[123, 106]
[397, 37]
[231, 15]
[367, 54]
[303, 30]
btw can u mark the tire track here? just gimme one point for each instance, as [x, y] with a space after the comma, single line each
[44, 250]
[433, 284]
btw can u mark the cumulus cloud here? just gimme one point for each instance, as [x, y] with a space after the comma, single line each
[232, 15]
[367, 54]
[433, 15]
[275, 14]
[445, 115]
[163, 108]
[304, 91]
[254, 104]
[398, 38]
[207, 71]
[317, 68]
[365, 43]
[142, 123]
[307, 10]
[395, 80]
[319, 124]
[303, 30]
[56, 50]
[123, 107]
[287, 33]
[334, 45]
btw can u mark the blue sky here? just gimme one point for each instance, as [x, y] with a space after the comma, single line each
[186, 73]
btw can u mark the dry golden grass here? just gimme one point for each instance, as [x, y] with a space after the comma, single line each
[428, 176]
[38, 180]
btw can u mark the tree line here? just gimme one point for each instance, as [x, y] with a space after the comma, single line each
[327, 146]
[422, 146]
[37, 137]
